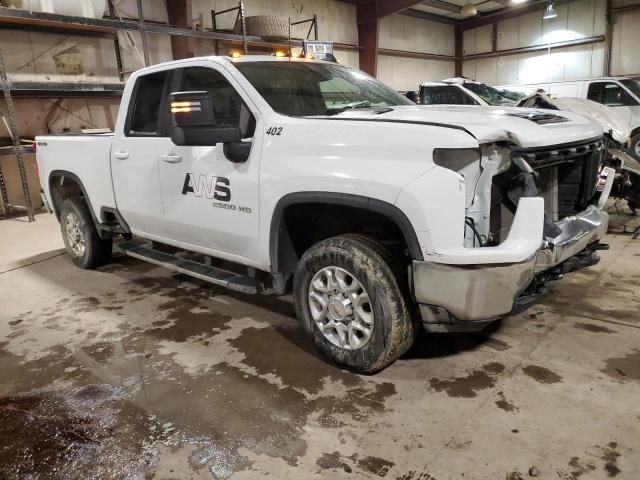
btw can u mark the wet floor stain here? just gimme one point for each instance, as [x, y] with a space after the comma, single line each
[515, 475]
[469, 385]
[415, 475]
[541, 374]
[498, 345]
[333, 461]
[269, 351]
[56, 435]
[624, 368]
[580, 467]
[610, 456]
[272, 397]
[503, 404]
[590, 327]
[362, 464]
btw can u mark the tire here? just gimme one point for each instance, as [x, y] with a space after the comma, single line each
[81, 240]
[370, 265]
[634, 146]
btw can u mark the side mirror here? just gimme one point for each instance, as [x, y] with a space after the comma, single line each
[194, 121]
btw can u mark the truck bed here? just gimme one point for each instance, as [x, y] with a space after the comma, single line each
[84, 157]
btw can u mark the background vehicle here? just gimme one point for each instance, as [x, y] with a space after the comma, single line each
[626, 184]
[266, 174]
[462, 91]
[621, 94]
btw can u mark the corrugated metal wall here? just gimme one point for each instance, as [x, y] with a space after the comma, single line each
[578, 19]
[400, 32]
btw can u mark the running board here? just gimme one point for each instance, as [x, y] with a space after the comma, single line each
[217, 276]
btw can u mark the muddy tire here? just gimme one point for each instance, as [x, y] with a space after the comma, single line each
[354, 303]
[81, 240]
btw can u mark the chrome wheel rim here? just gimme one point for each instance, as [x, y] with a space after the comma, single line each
[341, 308]
[75, 235]
[636, 148]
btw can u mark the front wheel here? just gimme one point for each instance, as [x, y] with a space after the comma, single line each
[81, 239]
[353, 304]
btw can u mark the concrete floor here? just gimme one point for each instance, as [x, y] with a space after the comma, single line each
[133, 372]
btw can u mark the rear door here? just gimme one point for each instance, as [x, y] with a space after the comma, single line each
[134, 155]
[613, 95]
[211, 202]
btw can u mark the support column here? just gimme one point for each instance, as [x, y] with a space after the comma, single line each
[180, 15]
[458, 50]
[367, 18]
[606, 70]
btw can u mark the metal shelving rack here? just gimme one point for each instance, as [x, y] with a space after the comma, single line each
[109, 28]
[13, 130]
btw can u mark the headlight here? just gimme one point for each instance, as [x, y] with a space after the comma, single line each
[456, 159]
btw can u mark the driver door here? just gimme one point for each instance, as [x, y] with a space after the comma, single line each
[211, 202]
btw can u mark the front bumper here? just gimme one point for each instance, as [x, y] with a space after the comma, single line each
[470, 295]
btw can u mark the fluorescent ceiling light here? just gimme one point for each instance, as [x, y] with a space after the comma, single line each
[550, 12]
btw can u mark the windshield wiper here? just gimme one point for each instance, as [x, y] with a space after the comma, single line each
[351, 106]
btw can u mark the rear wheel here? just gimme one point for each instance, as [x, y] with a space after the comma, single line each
[81, 240]
[353, 303]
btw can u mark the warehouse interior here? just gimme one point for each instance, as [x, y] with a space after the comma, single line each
[132, 370]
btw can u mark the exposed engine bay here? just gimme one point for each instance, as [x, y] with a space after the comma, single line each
[499, 175]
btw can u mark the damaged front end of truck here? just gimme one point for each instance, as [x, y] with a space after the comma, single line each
[532, 215]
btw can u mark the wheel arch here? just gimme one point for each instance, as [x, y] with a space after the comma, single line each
[59, 194]
[281, 252]
[57, 198]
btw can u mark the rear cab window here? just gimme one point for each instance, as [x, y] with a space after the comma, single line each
[148, 111]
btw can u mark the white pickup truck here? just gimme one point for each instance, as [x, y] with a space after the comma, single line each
[264, 174]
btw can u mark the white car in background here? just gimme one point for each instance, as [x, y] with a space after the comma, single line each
[462, 91]
[621, 94]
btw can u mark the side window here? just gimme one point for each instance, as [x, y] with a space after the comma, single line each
[229, 109]
[445, 95]
[146, 103]
[610, 94]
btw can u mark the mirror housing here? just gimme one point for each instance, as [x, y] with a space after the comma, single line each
[194, 121]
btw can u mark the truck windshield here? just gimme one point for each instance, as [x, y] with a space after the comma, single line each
[304, 89]
[493, 96]
[632, 85]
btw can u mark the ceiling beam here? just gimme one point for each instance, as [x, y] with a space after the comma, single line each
[440, 5]
[506, 13]
[376, 9]
[428, 16]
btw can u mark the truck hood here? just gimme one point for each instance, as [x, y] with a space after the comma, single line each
[524, 127]
[607, 117]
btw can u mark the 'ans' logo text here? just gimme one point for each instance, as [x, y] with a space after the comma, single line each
[216, 188]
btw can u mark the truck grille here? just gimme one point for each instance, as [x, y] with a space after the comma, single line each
[567, 176]
[576, 172]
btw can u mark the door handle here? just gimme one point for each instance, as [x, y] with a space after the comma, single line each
[121, 155]
[171, 158]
